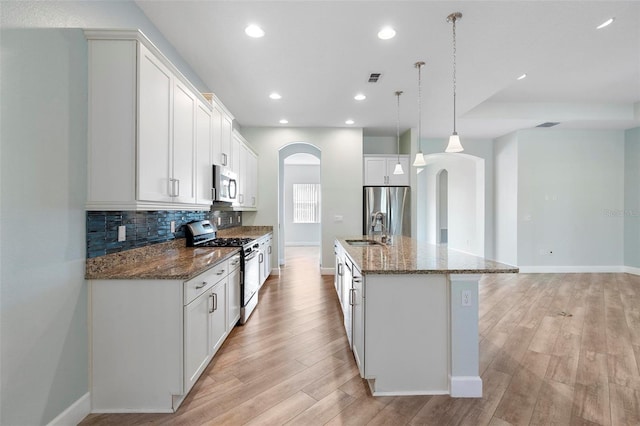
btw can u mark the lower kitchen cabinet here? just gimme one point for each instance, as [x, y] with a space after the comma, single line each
[357, 318]
[151, 339]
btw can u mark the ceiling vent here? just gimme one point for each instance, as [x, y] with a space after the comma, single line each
[548, 124]
[374, 77]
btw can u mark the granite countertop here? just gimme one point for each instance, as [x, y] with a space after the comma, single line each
[165, 261]
[408, 256]
[168, 261]
[245, 232]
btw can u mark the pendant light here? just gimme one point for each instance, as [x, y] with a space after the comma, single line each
[419, 160]
[398, 170]
[454, 140]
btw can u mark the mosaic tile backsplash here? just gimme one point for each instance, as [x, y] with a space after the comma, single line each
[144, 228]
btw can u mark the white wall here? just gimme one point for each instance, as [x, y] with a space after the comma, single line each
[568, 181]
[44, 337]
[506, 199]
[465, 200]
[632, 198]
[482, 149]
[341, 171]
[299, 234]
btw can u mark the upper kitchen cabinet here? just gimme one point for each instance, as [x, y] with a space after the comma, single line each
[248, 175]
[143, 127]
[378, 170]
[222, 125]
[204, 154]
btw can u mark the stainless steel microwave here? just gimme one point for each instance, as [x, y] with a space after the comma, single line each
[225, 183]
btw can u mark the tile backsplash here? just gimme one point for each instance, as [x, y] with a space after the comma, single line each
[144, 228]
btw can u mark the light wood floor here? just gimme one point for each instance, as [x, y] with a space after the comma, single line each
[555, 349]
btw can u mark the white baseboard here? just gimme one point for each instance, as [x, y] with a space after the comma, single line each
[327, 271]
[74, 413]
[275, 271]
[302, 244]
[632, 270]
[570, 269]
[466, 387]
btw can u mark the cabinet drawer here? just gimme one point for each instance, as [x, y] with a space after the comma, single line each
[198, 285]
[234, 262]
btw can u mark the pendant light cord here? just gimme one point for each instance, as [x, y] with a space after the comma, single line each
[398, 93]
[454, 74]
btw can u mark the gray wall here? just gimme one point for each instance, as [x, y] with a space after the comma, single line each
[43, 292]
[568, 181]
[44, 337]
[341, 169]
[299, 234]
[380, 145]
[506, 199]
[632, 198]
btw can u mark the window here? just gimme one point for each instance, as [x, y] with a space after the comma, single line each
[306, 203]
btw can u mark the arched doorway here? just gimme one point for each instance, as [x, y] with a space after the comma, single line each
[298, 211]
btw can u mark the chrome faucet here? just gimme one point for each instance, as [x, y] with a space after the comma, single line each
[377, 218]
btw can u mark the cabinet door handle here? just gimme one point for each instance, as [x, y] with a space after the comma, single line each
[269, 251]
[213, 193]
[253, 201]
[340, 269]
[178, 191]
[212, 309]
[351, 296]
[261, 258]
[215, 302]
[198, 287]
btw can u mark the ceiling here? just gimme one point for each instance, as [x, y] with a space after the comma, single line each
[318, 55]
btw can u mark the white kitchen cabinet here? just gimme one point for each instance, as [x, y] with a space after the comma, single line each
[204, 154]
[233, 292]
[218, 311]
[151, 339]
[248, 177]
[198, 347]
[221, 127]
[357, 312]
[265, 257]
[226, 140]
[142, 126]
[234, 155]
[378, 170]
[182, 180]
[339, 271]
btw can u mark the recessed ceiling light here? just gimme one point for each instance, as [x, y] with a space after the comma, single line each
[522, 77]
[605, 23]
[284, 121]
[254, 31]
[275, 96]
[359, 97]
[386, 33]
[349, 121]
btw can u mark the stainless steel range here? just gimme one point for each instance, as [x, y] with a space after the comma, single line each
[202, 233]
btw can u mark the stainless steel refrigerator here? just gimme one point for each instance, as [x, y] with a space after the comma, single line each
[386, 208]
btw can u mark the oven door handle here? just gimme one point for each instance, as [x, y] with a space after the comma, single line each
[250, 256]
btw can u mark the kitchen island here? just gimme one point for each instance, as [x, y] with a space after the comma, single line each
[411, 314]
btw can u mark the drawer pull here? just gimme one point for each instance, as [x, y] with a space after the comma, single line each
[198, 287]
[220, 272]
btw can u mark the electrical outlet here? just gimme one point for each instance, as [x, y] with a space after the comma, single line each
[219, 220]
[173, 226]
[466, 297]
[122, 233]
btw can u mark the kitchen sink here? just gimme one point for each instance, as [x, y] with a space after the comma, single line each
[361, 243]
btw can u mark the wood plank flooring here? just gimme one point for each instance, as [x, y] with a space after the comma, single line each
[555, 349]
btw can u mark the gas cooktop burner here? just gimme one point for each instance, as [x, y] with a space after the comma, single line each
[226, 242]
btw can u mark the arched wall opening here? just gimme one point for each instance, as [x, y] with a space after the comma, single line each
[465, 201]
[283, 153]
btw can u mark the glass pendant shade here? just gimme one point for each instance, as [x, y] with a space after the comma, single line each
[398, 170]
[454, 144]
[419, 160]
